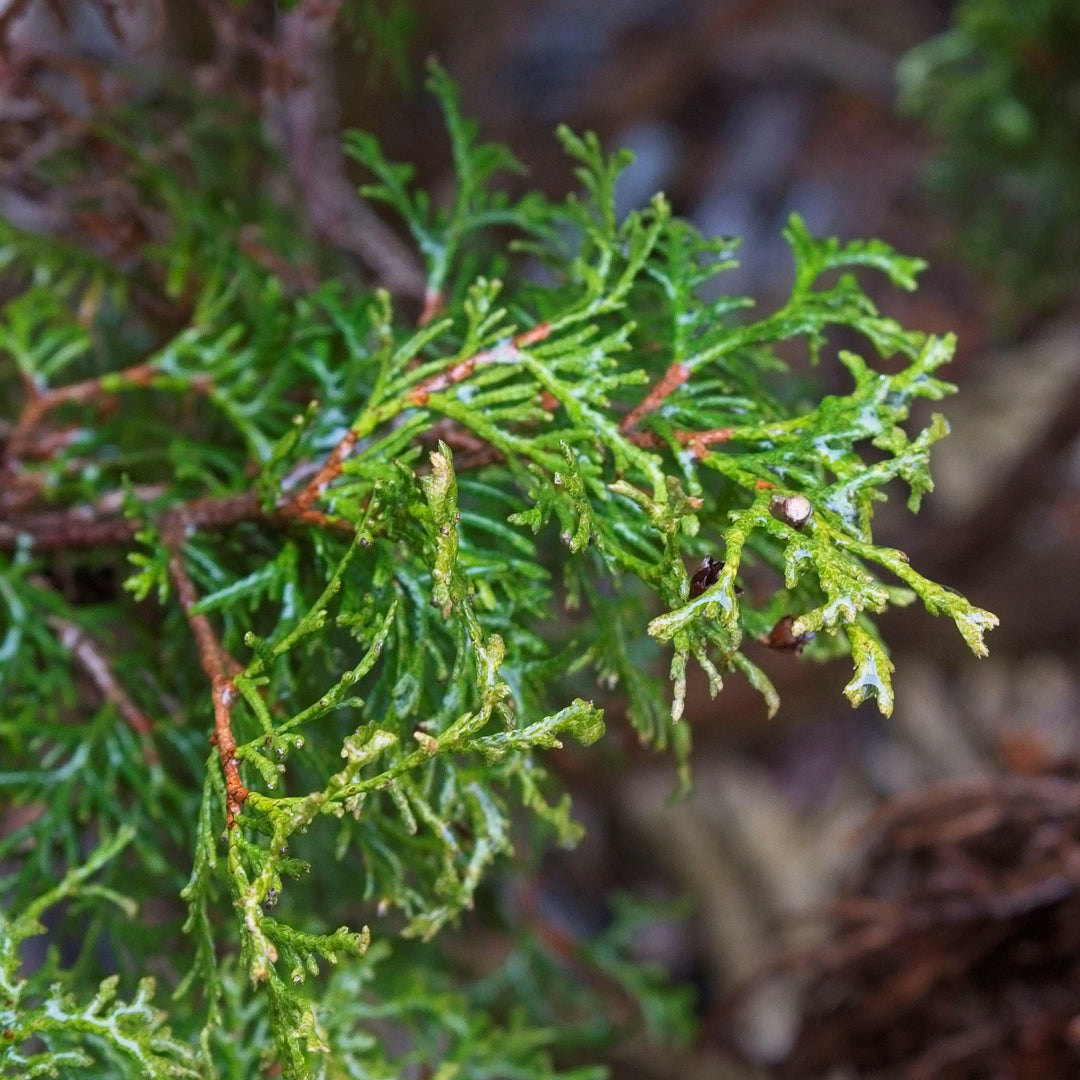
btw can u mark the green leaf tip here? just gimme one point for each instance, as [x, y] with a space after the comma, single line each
[873, 671]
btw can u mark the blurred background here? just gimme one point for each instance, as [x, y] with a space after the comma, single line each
[853, 897]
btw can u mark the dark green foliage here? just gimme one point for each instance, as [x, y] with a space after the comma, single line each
[502, 534]
[1001, 91]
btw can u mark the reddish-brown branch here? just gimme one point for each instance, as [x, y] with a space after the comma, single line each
[455, 436]
[330, 470]
[98, 524]
[300, 106]
[219, 667]
[94, 662]
[539, 332]
[48, 444]
[441, 380]
[217, 513]
[62, 529]
[477, 459]
[20, 488]
[698, 441]
[433, 306]
[44, 402]
[90, 526]
[95, 525]
[673, 378]
[502, 353]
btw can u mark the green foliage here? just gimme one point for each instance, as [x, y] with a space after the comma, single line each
[504, 521]
[536, 977]
[65, 1034]
[381, 31]
[1000, 92]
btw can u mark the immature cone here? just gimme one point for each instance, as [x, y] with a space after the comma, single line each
[782, 638]
[793, 510]
[706, 576]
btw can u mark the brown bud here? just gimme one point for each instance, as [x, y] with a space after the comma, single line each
[781, 638]
[793, 510]
[706, 576]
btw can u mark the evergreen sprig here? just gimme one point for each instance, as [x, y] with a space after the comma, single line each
[380, 562]
[66, 1034]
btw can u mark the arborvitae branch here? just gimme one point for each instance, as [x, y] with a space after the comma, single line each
[216, 663]
[282, 474]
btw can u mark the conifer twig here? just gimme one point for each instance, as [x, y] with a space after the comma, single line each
[698, 441]
[95, 525]
[218, 666]
[300, 504]
[455, 436]
[504, 352]
[59, 530]
[299, 104]
[94, 662]
[24, 440]
[42, 402]
[673, 378]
